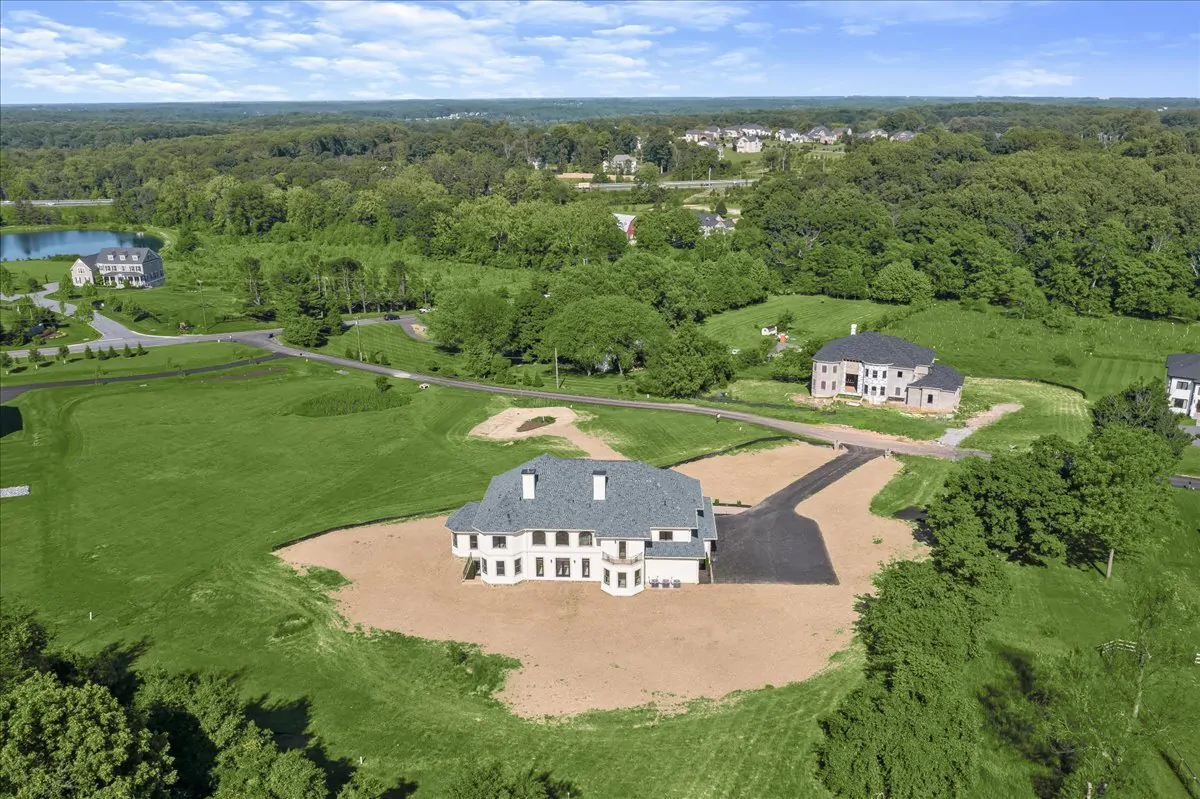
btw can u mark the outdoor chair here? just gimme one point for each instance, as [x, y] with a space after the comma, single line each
[654, 582]
[676, 583]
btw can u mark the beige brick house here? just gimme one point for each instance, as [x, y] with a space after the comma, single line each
[883, 369]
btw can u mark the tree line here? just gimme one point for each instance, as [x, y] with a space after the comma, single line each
[1082, 721]
[96, 727]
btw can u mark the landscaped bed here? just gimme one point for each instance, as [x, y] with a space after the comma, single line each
[581, 649]
[535, 423]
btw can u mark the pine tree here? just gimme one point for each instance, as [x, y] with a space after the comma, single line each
[87, 353]
[127, 352]
[140, 349]
[112, 351]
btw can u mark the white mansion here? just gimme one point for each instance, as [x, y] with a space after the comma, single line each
[1183, 384]
[120, 267]
[623, 524]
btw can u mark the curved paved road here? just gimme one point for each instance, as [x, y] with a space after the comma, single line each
[857, 438]
[115, 334]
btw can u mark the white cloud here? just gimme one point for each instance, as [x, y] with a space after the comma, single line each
[860, 30]
[1018, 79]
[236, 9]
[805, 29]
[752, 27]
[702, 14]
[1079, 45]
[734, 58]
[200, 53]
[634, 30]
[172, 14]
[887, 58]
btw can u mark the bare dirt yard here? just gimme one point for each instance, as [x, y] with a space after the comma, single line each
[751, 477]
[507, 426]
[581, 649]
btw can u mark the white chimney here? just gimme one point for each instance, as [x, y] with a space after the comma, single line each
[528, 480]
[599, 479]
[853, 330]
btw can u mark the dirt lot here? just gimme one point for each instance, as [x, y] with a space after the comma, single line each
[506, 426]
[751, 477]
[581, 649]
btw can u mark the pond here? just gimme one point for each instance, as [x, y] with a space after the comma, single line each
[48, 243]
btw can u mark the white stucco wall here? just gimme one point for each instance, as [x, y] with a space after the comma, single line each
[1187, 391]
[682, 569]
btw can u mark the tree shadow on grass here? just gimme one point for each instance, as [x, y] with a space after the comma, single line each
[1015, 710]
[289, 723]
[10, 420]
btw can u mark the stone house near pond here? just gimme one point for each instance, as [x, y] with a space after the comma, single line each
[139, 267]
[884, 369]
[623, 524]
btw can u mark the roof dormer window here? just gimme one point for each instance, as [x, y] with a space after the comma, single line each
[122, 256]
[110, 257]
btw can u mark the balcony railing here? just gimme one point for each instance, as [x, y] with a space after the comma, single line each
[607, 558]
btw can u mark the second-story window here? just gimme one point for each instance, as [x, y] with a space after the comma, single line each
[562, 538]
[539, 538]
[585, 539]
[499, 541]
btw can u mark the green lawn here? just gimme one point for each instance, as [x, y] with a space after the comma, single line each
[1047, 410]
[824, 317]
[44, 271]
[1097, 356]
[227, 472]
[157, 359]
[918, 483]
[212, 311]
[1056, 609]
[1190, 464]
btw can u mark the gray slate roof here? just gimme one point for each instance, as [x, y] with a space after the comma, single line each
[940, 376]
[89, 261]
[875, 348]
[1185, 365]
[135, 255]
[638, 497]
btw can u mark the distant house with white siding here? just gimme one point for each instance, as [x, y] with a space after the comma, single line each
[904, 135]
[620, 165]
[787, 135]
[120, 267]
[623, 524]
[749, 144]
[1183, 384]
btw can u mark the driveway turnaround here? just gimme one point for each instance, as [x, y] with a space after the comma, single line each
[771, 543]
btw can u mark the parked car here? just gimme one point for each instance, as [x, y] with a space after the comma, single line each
[390, 317]
[423, 310]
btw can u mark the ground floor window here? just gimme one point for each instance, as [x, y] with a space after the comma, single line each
[517, 566]
[585, 567]
[897, 391]
[499, 568]
[928, 399]
[483, 565]
[1180, 403]
[822, 385]
[637, 577]
[562, 567]
[539, 567]
[606, 576]
[621, 577]
[457, 542]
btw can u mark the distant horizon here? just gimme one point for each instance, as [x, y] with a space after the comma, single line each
[137, 52]
[1039, 99]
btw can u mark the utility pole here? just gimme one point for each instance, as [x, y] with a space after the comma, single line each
[203, 307]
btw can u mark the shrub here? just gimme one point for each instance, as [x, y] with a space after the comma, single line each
[1063, 359]
[346, 401]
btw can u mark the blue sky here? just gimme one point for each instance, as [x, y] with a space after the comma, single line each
[171, 50]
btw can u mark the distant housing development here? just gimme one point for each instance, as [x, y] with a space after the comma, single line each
[623, 524]
[119, 267]
[747, 138]
[1183, 383]
[879, 369]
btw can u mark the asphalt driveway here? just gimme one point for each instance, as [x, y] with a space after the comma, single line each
[771, 543]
